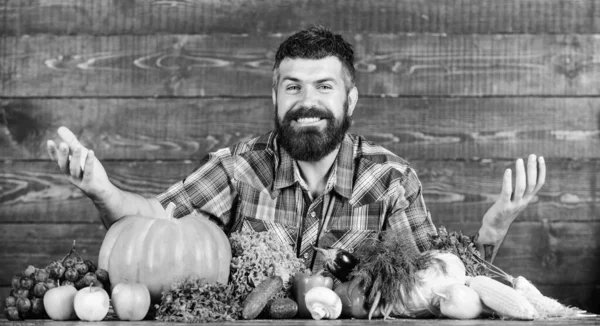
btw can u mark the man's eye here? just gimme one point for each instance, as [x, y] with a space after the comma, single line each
[325, 86]
[292, 88]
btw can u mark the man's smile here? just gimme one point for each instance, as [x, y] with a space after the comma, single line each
[307, 122]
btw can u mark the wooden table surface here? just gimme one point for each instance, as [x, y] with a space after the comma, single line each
[581, 321]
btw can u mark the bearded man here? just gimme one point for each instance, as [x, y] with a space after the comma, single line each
[309, 180]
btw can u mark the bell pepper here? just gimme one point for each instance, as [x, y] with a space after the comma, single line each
[353, 300]
[304, 282]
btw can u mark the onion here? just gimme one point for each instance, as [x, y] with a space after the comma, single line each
[459, 301]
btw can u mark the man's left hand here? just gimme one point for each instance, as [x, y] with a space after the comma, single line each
[500, 216]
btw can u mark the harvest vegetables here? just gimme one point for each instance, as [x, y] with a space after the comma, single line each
[304, 282]
[463, 247]
[323, 303]
[255, 256]
[339, 262]
[282, 308]
[544, 306]
[399, 280]
[193, 300]
[155, 251]
[501, 298]
[353, 299]
[459, 301]
[30, 287]
[259, 297]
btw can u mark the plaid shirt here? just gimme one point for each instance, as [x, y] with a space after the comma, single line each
[257, 185]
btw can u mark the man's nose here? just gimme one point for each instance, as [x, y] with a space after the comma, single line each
[310, 97]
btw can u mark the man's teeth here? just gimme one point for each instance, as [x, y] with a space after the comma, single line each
[308, 120]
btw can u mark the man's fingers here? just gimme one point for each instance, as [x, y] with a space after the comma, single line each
[69, 138]
[76, 162]
[506, 185]
[52, 150]
[520, 180]
[62, 157]
[541, 178]
[89, 163]
[531, 173]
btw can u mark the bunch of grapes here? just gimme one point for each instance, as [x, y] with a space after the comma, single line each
[26, 299]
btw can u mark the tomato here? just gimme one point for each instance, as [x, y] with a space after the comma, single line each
[131, 301]
[353, 300]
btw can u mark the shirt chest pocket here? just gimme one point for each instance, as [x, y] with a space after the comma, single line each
[257, 211]
[345, 239]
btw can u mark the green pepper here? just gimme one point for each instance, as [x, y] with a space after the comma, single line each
[353, 300]
[304, 282]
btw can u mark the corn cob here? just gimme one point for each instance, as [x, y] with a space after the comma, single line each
[501, 298]
[545, 306]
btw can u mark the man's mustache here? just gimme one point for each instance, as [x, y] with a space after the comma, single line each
[304, 112]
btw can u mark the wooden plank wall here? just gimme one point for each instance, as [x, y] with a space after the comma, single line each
[459, 88]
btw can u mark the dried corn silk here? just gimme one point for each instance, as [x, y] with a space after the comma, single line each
[546, 307]
[501, 298]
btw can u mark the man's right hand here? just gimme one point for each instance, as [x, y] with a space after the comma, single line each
[81, 165]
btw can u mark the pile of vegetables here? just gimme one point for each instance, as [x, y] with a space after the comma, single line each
[261, 270]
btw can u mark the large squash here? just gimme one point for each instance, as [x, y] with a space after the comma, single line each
[156, 251]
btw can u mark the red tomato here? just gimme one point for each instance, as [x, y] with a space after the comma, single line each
[353, 300]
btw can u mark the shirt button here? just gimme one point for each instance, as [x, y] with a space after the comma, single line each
[306, 255]
[313, 214]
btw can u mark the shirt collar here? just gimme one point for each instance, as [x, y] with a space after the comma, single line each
[343, 167]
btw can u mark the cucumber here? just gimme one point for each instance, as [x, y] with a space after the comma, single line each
[260, 296]
[283, 308]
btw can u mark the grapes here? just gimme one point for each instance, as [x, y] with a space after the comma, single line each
[26, 283]
[81, 268]
[12, 313]
[41, 275]
[40, 289]
[30, 285]
[16, 282]
[10, 301]
[23, 305]
[37, 307]
[30, 270]
[71, 275]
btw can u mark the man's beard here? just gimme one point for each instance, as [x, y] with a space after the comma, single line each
[310, 144]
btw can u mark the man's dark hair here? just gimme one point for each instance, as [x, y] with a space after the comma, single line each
[316, 42]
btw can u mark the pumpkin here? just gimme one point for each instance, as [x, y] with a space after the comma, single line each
[156, 251]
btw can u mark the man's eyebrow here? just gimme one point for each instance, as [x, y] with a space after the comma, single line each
[318, 81]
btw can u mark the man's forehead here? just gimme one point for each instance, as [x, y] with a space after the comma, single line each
[299, 68]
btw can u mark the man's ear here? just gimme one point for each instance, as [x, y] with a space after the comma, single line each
[274, 96]
[352, 99]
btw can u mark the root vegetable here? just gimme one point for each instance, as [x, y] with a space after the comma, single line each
[458, 301]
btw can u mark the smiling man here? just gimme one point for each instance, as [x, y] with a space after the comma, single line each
[309, 180]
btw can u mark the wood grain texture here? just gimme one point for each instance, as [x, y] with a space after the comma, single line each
[240, 65]
[104, 17]
[414, 128]
[455, 191]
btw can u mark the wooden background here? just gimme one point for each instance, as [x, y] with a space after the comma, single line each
[459, 88]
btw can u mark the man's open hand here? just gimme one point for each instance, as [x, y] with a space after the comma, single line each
[511, 202]
[79, 163]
